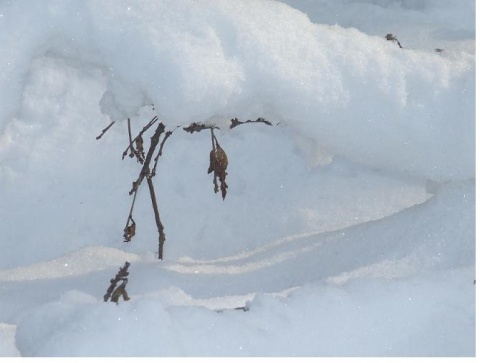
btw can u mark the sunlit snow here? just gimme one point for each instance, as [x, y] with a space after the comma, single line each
[349, 225]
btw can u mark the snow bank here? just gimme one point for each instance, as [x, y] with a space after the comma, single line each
[71, 191]
[366, 318]
[78, 263]
[424, 24]
[378, 289]
[335, 91]
[357, 95]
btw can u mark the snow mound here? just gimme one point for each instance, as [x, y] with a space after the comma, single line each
[357, 95]
[86, 260]
[342, 98]
[315, 320]
[370, 290]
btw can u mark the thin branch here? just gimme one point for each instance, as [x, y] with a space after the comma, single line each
[121, 276]
[145, 128]
[160, 151]
[146, 169]
[235, 122]
[161, 233]
[393, 38]
[120, 291]
[138, 151]
[105, 130]
[130, 226]
[197, 127]
[132, 150]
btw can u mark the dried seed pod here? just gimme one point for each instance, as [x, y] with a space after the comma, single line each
[139, 148]
[129, 231]
[222, 159]
[218, 164]
[222, 163]
[211, 167]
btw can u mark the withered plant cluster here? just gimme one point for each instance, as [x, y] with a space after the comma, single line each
[148, 156]
[114, 292]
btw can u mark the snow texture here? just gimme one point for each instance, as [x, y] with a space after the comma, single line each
[349, 225]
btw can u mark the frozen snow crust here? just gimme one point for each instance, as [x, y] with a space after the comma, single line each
[348, 228]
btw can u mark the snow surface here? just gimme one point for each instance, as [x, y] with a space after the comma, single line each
[348, 228]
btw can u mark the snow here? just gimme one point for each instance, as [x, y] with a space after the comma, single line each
[349, 225]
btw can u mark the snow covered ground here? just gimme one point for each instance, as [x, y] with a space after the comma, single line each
[348, 228]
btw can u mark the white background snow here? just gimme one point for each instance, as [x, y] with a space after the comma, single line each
[348, 228]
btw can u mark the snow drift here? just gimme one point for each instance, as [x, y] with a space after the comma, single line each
[359, 202]
[357, 95]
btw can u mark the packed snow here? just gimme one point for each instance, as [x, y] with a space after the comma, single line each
[348, 228]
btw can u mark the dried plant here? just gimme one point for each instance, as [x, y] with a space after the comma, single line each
[136, 148]
[218, 165]
[114, 292]
[393, 38]
[235, 122]
[197, 127]
[129, 230]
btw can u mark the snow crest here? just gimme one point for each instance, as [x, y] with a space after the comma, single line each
[359, 96]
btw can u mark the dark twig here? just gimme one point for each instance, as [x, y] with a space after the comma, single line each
[235, 122]
[121, 276]
[105, 130]
[393, 38]
[160, 151]
[130, 226]
[146, 169]
[120, 291]
[136, 151]
[132, 150]
[146, 127]
[161, 233]
[197, 127]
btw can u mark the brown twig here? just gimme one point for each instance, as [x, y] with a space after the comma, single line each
[235, 122]
[393, 38]
[120, 291]
[146, 169]
[197, 127]
[121, 276]
[105, 130]
[161, 233]
[136, 151]
[132, 150]
[145, 128]
[160, 151]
